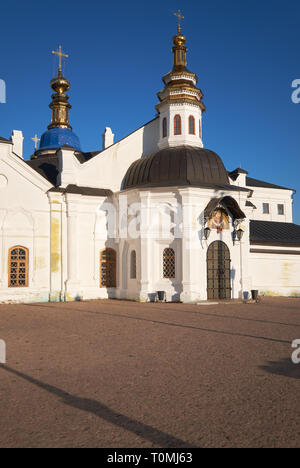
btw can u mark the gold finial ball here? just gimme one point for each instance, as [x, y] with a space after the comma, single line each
[179, 39]
[60, 84]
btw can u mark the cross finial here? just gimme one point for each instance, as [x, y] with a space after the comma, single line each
[35, 139]
[180, 17]
[60, 55]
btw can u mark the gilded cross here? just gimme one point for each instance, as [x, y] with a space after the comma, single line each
[35, 139]
[60, 55]
[180, 17]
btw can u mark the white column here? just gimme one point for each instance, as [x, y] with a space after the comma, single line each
[190, 250]
[55, 249]
[245, 278]
[72, 284]
[145, 245]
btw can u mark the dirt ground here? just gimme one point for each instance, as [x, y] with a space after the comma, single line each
[123, 374]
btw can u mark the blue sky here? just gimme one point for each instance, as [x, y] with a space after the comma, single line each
[246, 55]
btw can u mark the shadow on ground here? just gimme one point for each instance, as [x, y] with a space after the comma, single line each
[97, 408]
[172, 324]
[285, 367]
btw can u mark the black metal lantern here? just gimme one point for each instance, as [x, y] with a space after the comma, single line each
[207, 232]
[239, 234]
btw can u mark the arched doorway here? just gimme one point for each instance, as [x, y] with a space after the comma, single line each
[218, 271]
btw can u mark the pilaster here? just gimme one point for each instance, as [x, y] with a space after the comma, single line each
[55, 249]
[72, 283]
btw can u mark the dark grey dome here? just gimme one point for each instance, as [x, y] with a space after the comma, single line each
[179, 165]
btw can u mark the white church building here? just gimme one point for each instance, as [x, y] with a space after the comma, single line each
[155, 211]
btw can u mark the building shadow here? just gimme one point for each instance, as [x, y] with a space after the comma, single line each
[284, 367]
[146, 432]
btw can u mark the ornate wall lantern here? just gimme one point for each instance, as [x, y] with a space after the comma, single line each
[239, 234]
[207, 232]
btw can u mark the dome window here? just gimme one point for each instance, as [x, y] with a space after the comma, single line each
[177, 125]
[164, 128]
[191, 125]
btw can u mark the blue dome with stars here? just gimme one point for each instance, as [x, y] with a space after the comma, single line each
[57, 137]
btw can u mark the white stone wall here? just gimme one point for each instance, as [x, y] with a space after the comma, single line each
[24, 221]
[273, 197]
[83, 236]
[108, 169]
[65, 233]
[275, 274]
[190, 283]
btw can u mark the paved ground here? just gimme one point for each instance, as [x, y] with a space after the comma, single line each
[121, 374]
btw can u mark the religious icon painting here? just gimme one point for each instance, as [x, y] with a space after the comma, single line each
[218, 220]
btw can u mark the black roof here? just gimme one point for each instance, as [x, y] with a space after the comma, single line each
[274, 233]
[249, 203]
[84, 157]
[5, 140]
[234, 174]
[227, 202]
[260, 183]
[179, 166]
[46, 166]
[90, 191]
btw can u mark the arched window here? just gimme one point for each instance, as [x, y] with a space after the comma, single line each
[133, 265]
[18, 267]
[177, 125]
[164, 128]
[169, 270]
[108, 268]
[200, 129]
[191, 125]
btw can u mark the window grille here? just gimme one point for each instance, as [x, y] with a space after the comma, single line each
[169, 270]
[18, 267]
[108, 267]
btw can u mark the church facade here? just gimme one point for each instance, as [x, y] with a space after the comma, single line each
[153, 212]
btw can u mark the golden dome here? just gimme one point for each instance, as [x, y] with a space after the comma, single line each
[179, 40]
[60, 84]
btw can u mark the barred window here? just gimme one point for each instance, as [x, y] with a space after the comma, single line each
[18, 267]
[133, 265]
[108, 267]
[177, 125]
[169, 263]
[191, 125]
[164, 128]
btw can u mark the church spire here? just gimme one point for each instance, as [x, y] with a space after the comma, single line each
[59, 131]
[179, 49]
[180, 104]
[60, 106]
